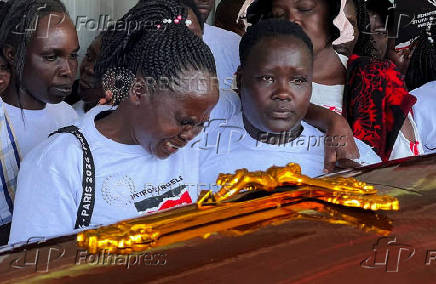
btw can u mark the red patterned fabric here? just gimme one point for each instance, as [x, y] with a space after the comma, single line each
[376, 102]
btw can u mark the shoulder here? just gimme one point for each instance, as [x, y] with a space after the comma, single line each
[425, 91]
[310, 130]
[54, 151]
[213, 32]
[63, 112]
[228, 105]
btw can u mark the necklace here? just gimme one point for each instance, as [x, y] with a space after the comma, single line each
[281, 138]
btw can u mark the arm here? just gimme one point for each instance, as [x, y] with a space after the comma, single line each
[334, 126]
[45, 204]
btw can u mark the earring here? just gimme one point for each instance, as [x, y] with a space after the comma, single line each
[119, 81]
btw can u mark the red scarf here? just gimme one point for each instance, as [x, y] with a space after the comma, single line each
[376, 102]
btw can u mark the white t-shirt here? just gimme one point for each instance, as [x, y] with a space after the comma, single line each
[79, 108]
[38, 124]
[228, 147]
[225, 49]
[129, 182]
[425, 115]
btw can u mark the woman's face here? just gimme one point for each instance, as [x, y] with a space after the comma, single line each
[167, 120]
[276, 83]
[311, 15]
[204, 7]
[51, 61]
[91, 90]
[5, 75]
[379, 34]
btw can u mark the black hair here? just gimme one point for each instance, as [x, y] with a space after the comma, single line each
[262, 9]
[268, 29]
[379, 7]
[191, 5]
[17, 28]
[365, 43]
[155, 52]
[115, 39]
[4, 7]
[422, 66]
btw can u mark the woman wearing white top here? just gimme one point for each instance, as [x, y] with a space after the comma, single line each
[274, 82]
[316, 18]
[44, 65]
[164, 84]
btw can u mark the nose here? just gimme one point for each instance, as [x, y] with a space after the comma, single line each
[282, 91]
[294, 17]
[67, 68]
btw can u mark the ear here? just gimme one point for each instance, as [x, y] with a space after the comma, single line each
[9, 54]
[239, 79]
[138, 90]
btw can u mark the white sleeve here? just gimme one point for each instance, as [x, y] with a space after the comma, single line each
[228, 105]
[46, 200]
[403, 147]
[425, 116]
[367, 155]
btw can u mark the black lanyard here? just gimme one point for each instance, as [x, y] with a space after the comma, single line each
[86, 207]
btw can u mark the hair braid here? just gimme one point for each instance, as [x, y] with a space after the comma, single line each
[156, 53]
[147, 14]
[365, 43]
[422, 67]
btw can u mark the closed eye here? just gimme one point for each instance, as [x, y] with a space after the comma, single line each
[74, 56]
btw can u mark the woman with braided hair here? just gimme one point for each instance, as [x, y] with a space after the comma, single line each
[90, 88]
[134, 161]
[40, 43]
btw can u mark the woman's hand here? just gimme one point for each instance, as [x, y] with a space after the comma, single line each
[107, 100]
[340, 148]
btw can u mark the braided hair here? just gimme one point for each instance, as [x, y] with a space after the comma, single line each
[365, 43]
[156, 52]
[422, 66]
[4, 7]
[270, 28]
[262, 9]
[19, 20]
[116, 39]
